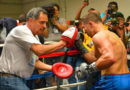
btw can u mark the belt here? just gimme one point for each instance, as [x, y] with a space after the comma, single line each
[7, 74]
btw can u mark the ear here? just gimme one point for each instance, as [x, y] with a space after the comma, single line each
[91, 23]
[30, 19]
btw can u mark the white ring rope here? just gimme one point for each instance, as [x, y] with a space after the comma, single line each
[63, 86]
[1, 45]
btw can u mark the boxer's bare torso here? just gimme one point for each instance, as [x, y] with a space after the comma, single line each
[102, 40]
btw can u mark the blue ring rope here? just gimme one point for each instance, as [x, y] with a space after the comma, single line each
[40, 75]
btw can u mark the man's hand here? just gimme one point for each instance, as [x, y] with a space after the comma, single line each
[85, 3]
[53, 20]
[106, 12]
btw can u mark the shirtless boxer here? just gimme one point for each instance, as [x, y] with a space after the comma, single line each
[110, 55]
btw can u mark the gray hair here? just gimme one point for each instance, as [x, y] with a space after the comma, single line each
[35, 12]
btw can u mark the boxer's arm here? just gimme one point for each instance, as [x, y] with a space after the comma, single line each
[79, 46]
[106, 52]
[90, 56]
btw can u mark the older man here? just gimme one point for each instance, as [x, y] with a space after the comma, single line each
[21, 51]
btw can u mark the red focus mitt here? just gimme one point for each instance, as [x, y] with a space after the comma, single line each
[70, 35]
[62, 70]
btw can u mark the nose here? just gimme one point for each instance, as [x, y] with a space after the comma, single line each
[44, 25]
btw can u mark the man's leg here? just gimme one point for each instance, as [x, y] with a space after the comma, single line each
[12, 83]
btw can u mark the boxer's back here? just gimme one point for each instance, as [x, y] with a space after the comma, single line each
[120, 66]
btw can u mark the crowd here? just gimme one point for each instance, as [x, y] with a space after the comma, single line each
[103, 40]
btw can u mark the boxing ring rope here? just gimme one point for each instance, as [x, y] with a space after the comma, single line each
[1, 45]
[55, 54]
[63, 86]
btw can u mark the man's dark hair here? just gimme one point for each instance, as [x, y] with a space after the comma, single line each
[128, 19]
[91, 17]
[91, 9]
[113, 3]
[120, 15]
[55, 4]
[22, 18]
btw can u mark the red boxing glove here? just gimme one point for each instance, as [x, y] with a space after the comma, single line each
[70, 36]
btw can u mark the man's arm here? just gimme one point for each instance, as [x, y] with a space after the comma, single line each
[42, 66]
[105, 16]
[61, 27]
[40, 49]
[77, 17]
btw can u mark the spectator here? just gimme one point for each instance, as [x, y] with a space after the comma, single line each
[113, 19]
[22, 19]
[111, 10]
[18, 64]
[116, 25]
[6, 24]
[120, 29]
[56, 26]
[126, 39]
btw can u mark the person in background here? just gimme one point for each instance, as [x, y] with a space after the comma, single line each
[113, 19]
[116, 25]
[126, 38]
[121, 29]
[22, 19]
[109, 12]
[6, 25]
[56, 26]
[18, 64]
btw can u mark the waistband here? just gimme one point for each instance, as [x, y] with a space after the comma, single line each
[7, 74]
[115, 76]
